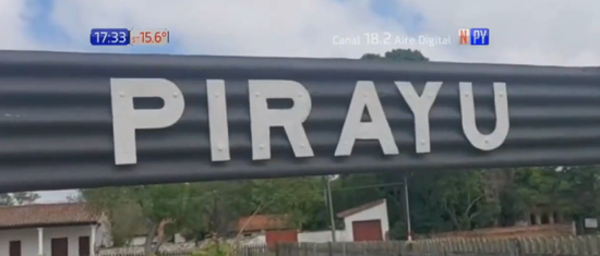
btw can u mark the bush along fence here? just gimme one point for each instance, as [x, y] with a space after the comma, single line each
[559, 246]
[186, 253]
[246, 250]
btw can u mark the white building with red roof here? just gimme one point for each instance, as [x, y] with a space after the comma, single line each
[64, 229]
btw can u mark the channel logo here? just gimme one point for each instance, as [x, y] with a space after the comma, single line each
[474, 36]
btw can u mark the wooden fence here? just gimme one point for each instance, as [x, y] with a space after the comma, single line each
[540, 246]
[255, 250]
[559, 246]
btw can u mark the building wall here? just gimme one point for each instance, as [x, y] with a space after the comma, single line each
[29, 239]
[304, 237]
[141, 240]
[375, 213]
[255, 239]
[138, 241]
[323, 236]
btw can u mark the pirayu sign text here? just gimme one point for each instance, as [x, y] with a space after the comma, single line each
[127, 119]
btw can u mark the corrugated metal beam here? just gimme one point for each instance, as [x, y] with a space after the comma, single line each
[73, 120]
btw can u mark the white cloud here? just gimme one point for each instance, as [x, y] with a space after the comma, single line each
[13, 25]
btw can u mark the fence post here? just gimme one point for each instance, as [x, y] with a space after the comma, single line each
[330, 248]
[515, 245]
[304, 249]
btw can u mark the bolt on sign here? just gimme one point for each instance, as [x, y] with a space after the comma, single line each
[73, 120]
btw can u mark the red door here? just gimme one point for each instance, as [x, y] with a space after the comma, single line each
[84, 246]
[59, 247]
[368, 230]
[14, 248]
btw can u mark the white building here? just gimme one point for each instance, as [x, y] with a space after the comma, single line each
[67, 229]
[367, 222]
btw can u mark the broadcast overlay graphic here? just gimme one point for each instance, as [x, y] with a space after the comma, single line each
[470, 36]
[125, 37]
[474, 36]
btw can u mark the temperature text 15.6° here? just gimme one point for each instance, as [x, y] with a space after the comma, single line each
[149, 36]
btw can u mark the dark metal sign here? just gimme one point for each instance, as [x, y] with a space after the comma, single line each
[83, 120]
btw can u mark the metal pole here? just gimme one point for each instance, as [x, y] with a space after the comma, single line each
[408, 227]
[330, 204]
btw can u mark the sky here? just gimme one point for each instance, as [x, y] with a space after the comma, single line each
[539, 32]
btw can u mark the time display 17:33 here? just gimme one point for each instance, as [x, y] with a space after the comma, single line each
[110, 36]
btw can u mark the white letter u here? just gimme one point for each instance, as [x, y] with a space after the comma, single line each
[467, 108]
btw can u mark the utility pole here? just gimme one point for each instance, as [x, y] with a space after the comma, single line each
[407, 204]
[330, 205]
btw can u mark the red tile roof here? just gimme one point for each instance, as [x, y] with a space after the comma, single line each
[360, 208]
[47, 215]
[264, 222]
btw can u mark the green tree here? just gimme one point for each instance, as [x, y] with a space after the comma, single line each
[23, 198]
[462, 197]
[295, 198]
[427, 212]
[197, 209]
[18, 198]
[397, 55]
[6, 199]
[214, 207]
[576, 191]
[159, 209]
[218, 205]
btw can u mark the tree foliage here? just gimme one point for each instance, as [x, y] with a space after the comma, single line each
[397, 55]
[18, 198]
[155, 210]
[198, 209]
